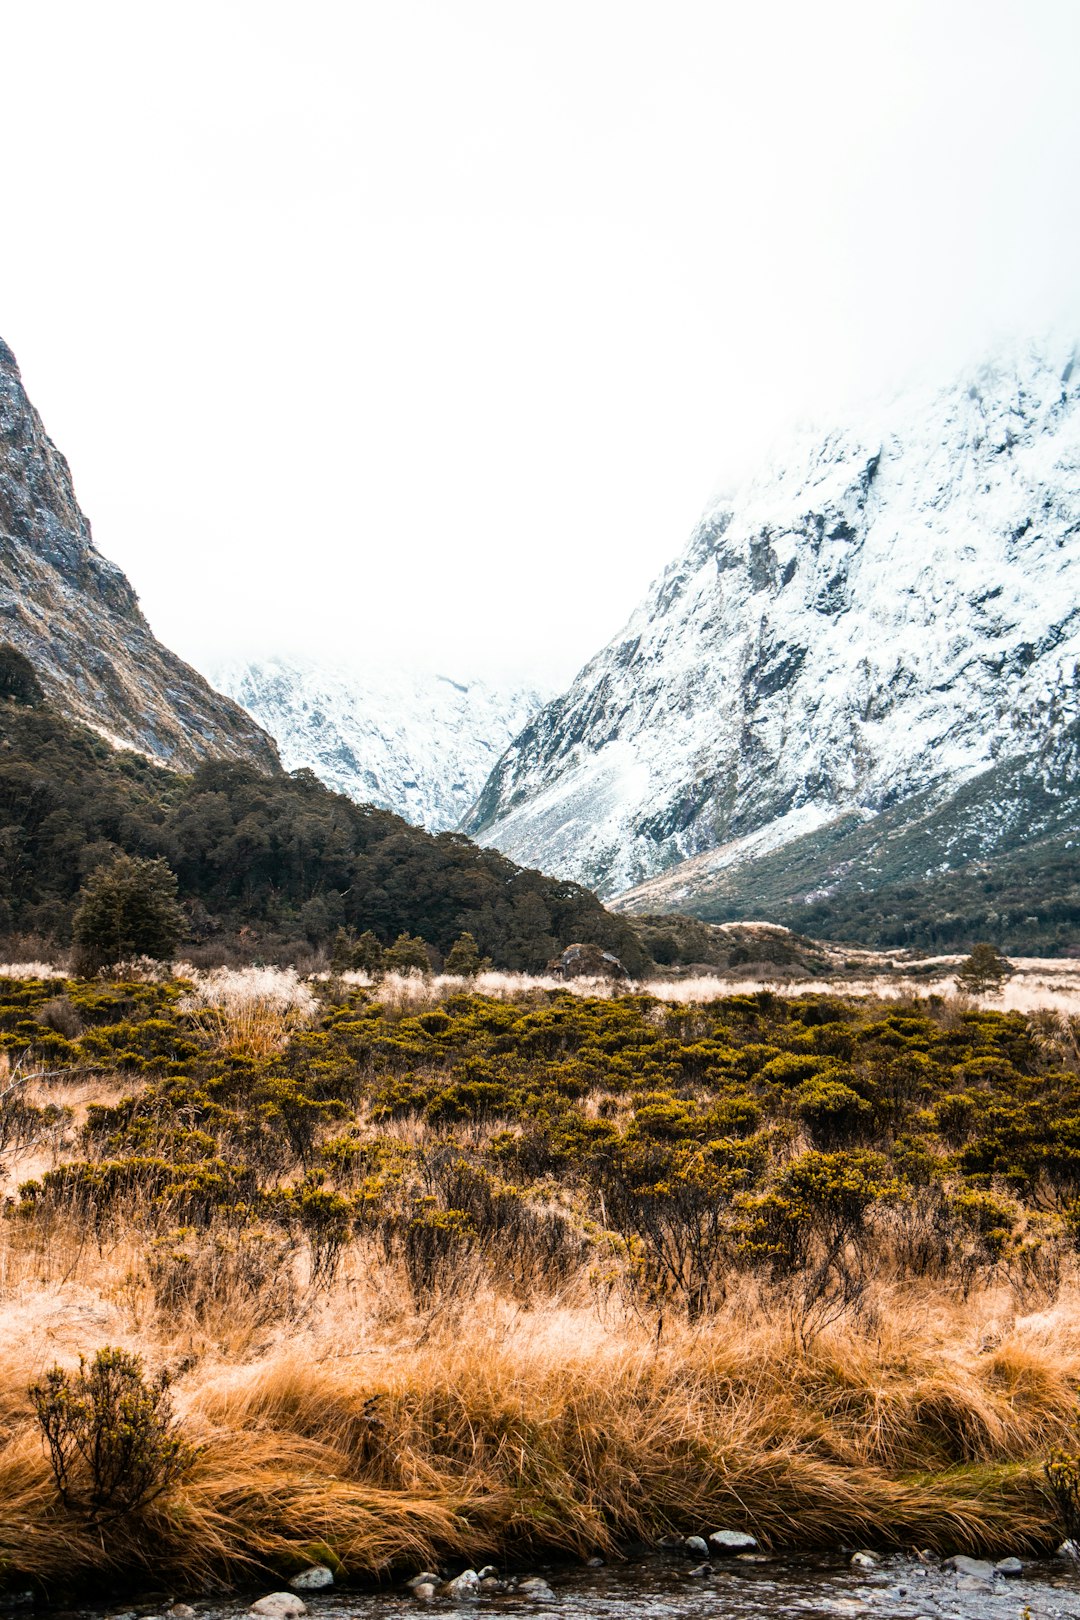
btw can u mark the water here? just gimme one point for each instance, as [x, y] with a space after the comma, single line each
[782, 1588]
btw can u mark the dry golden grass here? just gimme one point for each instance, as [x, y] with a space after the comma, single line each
[250, 1012]
[357, 1431]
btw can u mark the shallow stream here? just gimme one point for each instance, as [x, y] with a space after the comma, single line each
[780, 1588]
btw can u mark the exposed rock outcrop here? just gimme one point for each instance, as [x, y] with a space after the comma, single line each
[75, 616]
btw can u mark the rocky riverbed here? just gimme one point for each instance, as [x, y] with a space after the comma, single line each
[671, 1586]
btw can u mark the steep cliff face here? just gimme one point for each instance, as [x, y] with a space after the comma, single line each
[889, 611]
[76, 617]
[420, 745]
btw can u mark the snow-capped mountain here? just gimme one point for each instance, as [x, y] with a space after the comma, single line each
[420, 745]
[887, 610]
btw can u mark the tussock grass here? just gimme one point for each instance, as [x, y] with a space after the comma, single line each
[250, 1012]
[504, 1432]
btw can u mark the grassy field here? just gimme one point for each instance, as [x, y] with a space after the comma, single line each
[446, 1271]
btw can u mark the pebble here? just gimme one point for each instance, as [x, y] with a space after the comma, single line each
[697, 1545]
[281, 1605]
[487, 1572]
[594, 1563]
[732, 1541]
[863, 1560]
[181, 1611]
[1009, 1566]
[425, 1578]
[974, 1583]
[313, 1579]
[700, 1572]
[425, 1590]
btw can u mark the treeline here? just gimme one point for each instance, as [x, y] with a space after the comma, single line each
[268, 867]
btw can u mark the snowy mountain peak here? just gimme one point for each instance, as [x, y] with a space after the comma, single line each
[418, 744]
[883, 607]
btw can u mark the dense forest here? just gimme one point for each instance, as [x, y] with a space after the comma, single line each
[268, 866]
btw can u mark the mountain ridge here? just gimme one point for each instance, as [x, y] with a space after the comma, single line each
[418, 743]
[75, 615]
[889, 610]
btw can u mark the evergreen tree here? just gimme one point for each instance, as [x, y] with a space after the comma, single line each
[368, 954]
[464, 959]
[985, 969]
[342, 952]
[127, 908]
[408, 954]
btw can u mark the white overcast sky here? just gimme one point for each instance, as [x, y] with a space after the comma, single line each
[421, 330]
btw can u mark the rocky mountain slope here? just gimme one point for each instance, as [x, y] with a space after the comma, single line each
[884, 615]
[75, 616]
[420, 745]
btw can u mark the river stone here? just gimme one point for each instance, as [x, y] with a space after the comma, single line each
[492, 1583]
[280, 1605]
[973, 1583]
[728, 1542]
[594, 1563]
[487, 1572]
[977, 1569]
[697, 1545]
[425, 1590]
[181, 1611]
[1008, 1566]
[536, 1588]
[424, 1578]
[863, 1560]
[465, 1585]
[700, 1573]
[312, 1579]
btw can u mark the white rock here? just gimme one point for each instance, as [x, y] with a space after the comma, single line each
[464, 1586]
[729, 1542]
[696, 1545]
[1008, 1566]
[423, 1578]
[313, 1579]
[425, 1590]
[279, 1605]
[864, 1560]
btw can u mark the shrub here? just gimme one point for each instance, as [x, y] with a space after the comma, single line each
[18, 678]
[127, 908]
[111, 1436]
[832, 1112]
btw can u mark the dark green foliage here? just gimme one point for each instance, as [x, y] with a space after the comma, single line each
[127, 908]
[18, 678]
[1063, 1477]
[368, 953]
[266, 865]
[463, 958]
[985, 969]
[111, 1437]
[406, 955]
